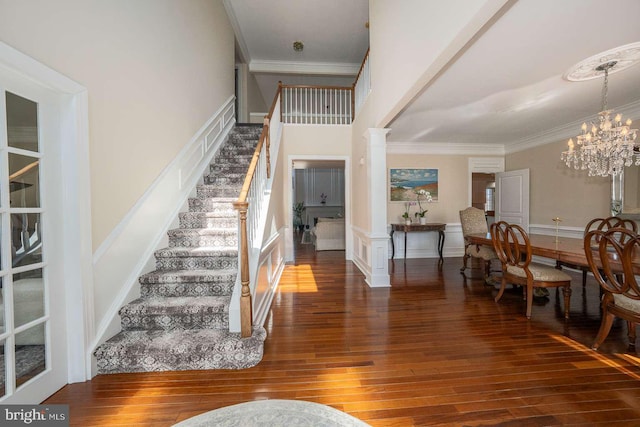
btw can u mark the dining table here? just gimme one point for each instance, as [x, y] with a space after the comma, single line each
[568, 250]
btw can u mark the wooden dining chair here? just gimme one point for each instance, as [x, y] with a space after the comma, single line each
[513, 248]
[473, 221]
[602, 224]
[611, 256]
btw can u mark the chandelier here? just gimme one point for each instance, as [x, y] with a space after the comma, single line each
[608, 145]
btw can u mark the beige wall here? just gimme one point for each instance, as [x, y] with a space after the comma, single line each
[316, 140]
[155, 71]
[255, 102]
[360, 197]
[453, 185]
[557, 191]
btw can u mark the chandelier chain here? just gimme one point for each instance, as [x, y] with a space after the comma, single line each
[605, 89]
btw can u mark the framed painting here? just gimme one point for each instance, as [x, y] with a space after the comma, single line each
[405, 183]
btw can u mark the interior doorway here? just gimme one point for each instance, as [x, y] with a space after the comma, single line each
[483, 187]
[319, 192]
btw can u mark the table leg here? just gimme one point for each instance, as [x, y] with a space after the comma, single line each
[440, 244]
[405, 245]
[393, 247]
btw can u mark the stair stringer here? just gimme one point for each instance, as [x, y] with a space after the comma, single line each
[195, 158]
[271, 246]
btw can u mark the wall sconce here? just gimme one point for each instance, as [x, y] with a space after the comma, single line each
[298, 46]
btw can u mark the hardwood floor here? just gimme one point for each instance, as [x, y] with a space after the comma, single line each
[433, 349]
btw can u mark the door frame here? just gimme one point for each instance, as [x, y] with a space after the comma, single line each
[76, 197]
[289, 256]
[482, 165]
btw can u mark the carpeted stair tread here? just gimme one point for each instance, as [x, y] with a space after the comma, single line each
[186, 252]
[198, 220]
[206, 191]
[215, 205]
[188, 276]
[191, 305]
[176, 313]
[149, 351]
[203, 237]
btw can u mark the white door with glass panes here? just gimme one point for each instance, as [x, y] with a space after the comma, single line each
[33, 341]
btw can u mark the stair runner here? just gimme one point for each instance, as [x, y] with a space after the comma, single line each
[181, 320]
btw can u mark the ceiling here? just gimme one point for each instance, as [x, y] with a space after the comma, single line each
[506, 88]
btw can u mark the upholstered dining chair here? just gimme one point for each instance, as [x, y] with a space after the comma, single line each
[602, 224]
[611, 256]
[473, 221]
[512, 245]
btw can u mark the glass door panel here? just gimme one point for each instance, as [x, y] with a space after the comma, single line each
[28, 297]
[22, 122]
[24, 181]
[26, 239]
[3, 369]
[30, 354]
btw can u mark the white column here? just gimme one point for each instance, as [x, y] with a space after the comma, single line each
[377, 190]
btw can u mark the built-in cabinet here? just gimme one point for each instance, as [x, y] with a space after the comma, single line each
[309, 186]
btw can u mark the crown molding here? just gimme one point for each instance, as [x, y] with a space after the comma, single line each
[567, 131]
[233, 20]
[445, 148]
[317, 68]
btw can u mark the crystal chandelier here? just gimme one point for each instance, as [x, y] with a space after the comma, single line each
[609, 145]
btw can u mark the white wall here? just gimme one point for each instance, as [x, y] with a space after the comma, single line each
[406, 54]
[155, 71]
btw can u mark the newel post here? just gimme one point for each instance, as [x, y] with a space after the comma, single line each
[246, 314]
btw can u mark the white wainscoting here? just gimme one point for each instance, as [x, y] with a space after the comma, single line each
[271, 265]
[128, 250]
[370, 255]
[425, 244]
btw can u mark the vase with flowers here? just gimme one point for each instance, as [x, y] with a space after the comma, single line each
[407, 212]
[421, 214]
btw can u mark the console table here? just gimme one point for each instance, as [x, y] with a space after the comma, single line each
[408, 228]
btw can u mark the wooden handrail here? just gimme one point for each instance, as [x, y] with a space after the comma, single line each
[315, 87]
[24, 170]
[364, 61]
[242, 206]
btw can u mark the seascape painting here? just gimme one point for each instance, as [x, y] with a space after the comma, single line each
[404, 183]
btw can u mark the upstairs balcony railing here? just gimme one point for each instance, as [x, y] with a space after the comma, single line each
[325, 105]
[362, 85]
[317, 105]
